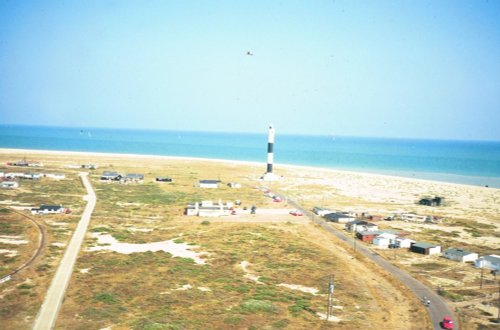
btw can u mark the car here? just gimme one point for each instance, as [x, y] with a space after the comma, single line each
[277, 199]
[447, 323]
[296, 213]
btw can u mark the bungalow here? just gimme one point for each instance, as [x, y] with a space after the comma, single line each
[32, 176]
[425, 248]
[55, 176]
[209, 183]
[163, 179]
[133, 177]
[110, 176]
[411, 217]
[402, 242]
[339, 217]
[9, 184]
[321, 211]
[460, 255]
[46, 209]
[209, 209]
[360, 225]
[491, 262]
[385, 239]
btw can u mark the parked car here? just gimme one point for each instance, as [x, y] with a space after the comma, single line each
[296, 213]
[447, 323]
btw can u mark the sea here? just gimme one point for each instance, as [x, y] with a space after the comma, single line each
[463, 162]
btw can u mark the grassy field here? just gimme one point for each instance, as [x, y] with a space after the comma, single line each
[153, 290]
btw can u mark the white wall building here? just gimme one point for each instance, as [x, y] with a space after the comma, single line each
[209, 209]
[491, 262]
[460, 255]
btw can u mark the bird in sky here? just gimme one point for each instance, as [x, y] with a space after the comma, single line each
[249, 53]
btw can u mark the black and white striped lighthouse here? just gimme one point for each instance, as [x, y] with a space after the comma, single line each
[269, 175]
[270, 144]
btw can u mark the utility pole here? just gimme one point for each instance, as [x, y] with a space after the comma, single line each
[481, 283]
[354, 241]
[329, 305]
[498, 315]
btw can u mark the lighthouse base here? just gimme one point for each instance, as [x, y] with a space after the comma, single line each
[269, 176]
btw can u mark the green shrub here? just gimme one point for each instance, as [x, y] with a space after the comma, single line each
[255, 306]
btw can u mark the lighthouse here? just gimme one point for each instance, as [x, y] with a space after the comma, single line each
[269, 175]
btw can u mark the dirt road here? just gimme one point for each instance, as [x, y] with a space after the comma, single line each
[47, 315]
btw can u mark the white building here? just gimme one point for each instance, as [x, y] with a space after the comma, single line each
[49, 209]
[234, 185]
[460, 255]
[209, 209]
[491, 262]
[402, 242]
[414, 217]
[213, 184]
[55, 176]
[384, 239]
[9, 184]
[321, 211]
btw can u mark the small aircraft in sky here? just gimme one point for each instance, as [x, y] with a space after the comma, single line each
[249, 53]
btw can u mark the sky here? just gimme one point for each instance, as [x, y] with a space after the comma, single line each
[416, 69]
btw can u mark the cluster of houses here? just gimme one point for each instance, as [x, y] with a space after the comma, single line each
[369, 232]
[11, 179]
[25, 163]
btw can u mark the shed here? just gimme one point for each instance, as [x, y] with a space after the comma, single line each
[425, 248]
[163, 179]
[460, 255]
[367, 236]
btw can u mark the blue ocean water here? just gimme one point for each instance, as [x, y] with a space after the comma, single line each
[470, 162]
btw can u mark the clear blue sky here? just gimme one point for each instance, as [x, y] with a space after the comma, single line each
[425, 69]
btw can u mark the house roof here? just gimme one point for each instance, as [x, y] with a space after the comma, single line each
[109, 173]
[357, 222]
[457, 252]
[49, 207]
[134, 176]
[335, 215]
[209, 181]
[370, 233]
[492, 258]
[424, 245]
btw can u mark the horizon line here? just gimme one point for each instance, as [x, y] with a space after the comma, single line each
[264, 132]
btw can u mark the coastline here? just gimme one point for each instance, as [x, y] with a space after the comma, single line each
[422, 177]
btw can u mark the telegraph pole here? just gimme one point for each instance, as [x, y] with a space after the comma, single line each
[329, 305]
[498, 315]
[481, 283]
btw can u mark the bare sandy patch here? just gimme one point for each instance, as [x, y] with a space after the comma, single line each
[301, 288]
[182, 250]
